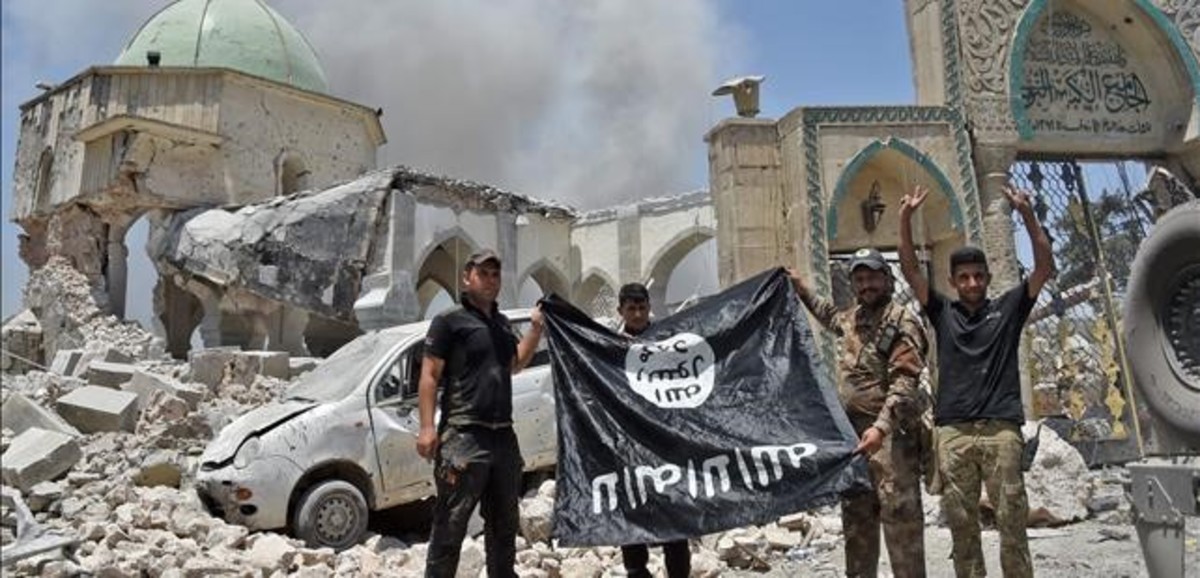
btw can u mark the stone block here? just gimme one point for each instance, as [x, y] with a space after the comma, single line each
[145, 384]
[109, 374]
[22, 338]
[105, 354]
[192, 393]
[42, 494]
[269, 363]
[213, 366]
[209, 365]
[96, 409]
[19, 413]
[38, 455]
[65, 361]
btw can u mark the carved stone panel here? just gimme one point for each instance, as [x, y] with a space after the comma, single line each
[986, 27]
[1080, 82]
[1185, 14]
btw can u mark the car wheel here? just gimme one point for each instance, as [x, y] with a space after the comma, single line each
[331, 514]
[1162, 314]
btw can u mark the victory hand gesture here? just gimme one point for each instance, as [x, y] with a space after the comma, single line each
[1018, 199]
[910, 202]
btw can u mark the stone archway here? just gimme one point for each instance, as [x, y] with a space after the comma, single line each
[549, 279]
[667, 258]
[428, 291]
[597, 294]
[292, 173]
[880, 174]
[442, 264]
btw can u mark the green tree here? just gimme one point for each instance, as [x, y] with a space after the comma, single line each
[1118, 228]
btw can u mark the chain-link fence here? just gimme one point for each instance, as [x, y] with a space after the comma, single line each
[1072, 348]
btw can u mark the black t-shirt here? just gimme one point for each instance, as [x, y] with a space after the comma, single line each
[478, 350]
[978, 373]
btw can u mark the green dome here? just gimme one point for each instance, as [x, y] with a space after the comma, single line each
[245, 35]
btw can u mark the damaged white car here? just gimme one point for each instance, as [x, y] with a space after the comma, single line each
[342, 442]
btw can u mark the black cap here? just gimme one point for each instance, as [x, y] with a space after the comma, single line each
[483, 256]
[632, 292]
[868, 258]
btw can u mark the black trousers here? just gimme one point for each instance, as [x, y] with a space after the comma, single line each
[677, 558]
[473, 466]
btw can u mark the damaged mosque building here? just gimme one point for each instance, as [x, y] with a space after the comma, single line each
[271, 227]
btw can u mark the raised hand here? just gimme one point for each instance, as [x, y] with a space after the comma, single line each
[797, 281]
[1018, 199]
[913, 200]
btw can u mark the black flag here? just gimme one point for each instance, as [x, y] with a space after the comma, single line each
[714, 418]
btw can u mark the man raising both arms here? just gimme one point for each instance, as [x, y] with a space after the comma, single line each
[978, 411]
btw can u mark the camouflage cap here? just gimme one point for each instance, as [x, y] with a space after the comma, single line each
[868, 257]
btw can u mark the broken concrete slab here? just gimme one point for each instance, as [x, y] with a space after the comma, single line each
[38, 455]
[42, 494]
[214, 366]
[96, 409]
[269, 363]
[145, 384]
[103, 354]
[65, 361]
[22, 338]
[19, 413]
[110, 374]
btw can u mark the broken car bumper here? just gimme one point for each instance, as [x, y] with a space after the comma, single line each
[255, 496]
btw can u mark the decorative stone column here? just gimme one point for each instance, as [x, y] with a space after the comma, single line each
[210, 323]
[746, 183]
[991, 168]
[285, 330]
[178, 312]
[389, 295]
[116, 272]
[629, 246]
[991, 165]
[506, 247]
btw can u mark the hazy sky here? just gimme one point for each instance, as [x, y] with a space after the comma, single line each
[589, 102]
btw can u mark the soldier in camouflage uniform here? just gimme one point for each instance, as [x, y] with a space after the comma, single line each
[882, 355]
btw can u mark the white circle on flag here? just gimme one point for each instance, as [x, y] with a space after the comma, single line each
[676, 372]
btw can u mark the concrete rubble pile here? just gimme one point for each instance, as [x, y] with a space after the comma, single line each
[103, 442]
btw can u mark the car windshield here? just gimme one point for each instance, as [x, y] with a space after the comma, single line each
[337, 376]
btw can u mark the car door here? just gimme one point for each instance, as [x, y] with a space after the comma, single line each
[533, 407]
[404, 475]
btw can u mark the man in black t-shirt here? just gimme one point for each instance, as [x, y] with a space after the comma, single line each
[978, 410]
[471, 354]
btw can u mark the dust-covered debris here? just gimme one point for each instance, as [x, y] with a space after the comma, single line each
[126, 494]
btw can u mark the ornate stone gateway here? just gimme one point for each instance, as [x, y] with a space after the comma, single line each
[996, 81]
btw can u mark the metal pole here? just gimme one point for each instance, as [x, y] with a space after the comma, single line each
[1110, 314]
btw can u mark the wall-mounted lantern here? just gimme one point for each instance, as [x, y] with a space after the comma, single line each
[872, 208]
